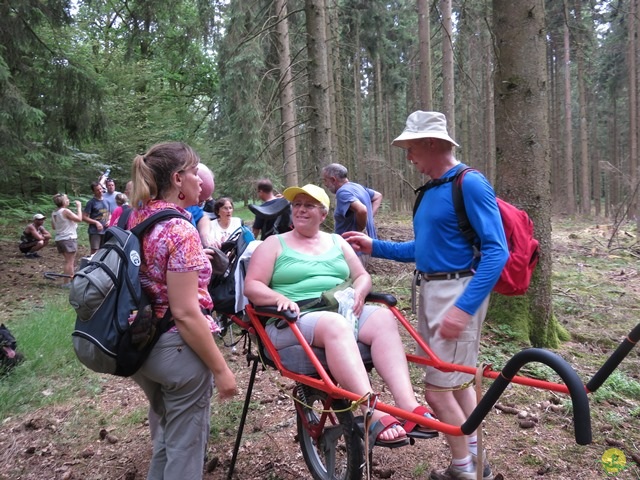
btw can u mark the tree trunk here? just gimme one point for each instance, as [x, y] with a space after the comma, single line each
[599, 187]
[356, 93]
[287, 106]
[613, 170]
[522, 145]
[321, 150]
[333, 73]
[424, 42]
[558, 182]
[378, 139]
[585, 171]
[489, 118]
[570, 200]
[448, 92]
[633, 112]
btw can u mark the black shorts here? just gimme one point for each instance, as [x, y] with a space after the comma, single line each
[26, 247]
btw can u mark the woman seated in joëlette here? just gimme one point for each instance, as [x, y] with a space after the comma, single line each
[301, 264]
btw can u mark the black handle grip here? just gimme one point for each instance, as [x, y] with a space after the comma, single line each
[383, 298]
[581, 415]
[272, 311]
[614, 360]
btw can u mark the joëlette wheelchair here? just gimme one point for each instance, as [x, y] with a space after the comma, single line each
[331, 437]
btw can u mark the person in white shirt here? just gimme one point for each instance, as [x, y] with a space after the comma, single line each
[225, 223]
[65, 223]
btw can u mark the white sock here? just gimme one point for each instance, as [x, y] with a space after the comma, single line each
[465, 464]
[472, 442]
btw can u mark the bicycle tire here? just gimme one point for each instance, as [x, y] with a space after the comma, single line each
[337, 452]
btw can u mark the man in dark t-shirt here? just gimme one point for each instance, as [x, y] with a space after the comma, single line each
[96, 214]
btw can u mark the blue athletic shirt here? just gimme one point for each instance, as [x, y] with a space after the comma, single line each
[345, 219]
[439, 246]
[196, 212]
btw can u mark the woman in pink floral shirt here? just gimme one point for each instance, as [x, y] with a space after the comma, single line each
[178, 376]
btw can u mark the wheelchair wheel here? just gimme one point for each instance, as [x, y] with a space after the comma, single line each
[331, 446]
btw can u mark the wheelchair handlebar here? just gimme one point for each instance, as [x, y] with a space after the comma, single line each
[614, 360]
[581, 415]
[272, 311]
[384, 298]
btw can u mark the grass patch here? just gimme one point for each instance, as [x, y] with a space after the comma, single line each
[136, 417]
[50, 373]
[420, 470]
[244, 213]
[616, 387]
[225, 417]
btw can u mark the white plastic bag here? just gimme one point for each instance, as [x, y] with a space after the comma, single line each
[346, 299]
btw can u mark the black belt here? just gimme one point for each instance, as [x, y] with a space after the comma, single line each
[445, 275]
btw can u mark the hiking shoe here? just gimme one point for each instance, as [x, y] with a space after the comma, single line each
[487, 474]
[452, 473]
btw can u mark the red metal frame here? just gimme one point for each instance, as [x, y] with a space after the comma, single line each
[326, 384]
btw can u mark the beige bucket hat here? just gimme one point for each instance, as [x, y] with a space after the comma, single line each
[424, 125]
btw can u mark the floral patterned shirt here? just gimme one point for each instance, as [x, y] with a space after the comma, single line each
[171, 245]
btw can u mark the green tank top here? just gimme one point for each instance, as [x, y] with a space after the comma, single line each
[299, 276]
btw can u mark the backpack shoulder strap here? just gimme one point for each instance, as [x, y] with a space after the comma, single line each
[124, 218]
[436, 182]
[165, 214]
[463, 220]
[458, 204]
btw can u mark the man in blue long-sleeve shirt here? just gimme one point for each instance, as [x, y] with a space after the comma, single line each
[454, 286]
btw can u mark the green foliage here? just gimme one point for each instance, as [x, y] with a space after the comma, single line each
[238, 131]
[50, 373]
[617, 387]
[420, 470]
[243, 212]
[135, 417]
[81, 94]
[17, 212]
[51, 97]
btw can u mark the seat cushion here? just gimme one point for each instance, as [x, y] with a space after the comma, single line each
[295, 359]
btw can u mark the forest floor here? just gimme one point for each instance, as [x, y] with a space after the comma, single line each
[85, 438]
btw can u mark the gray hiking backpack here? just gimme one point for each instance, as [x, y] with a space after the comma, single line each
[115, 327]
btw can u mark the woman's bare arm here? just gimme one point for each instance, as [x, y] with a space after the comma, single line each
[182, 288]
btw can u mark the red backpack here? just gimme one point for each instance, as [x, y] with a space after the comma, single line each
[524, 250]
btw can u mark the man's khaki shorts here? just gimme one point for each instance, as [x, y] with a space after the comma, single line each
[436, 298]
